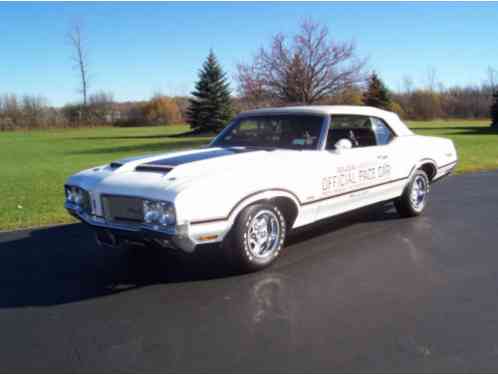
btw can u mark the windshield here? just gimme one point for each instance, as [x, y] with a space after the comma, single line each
[301, 132]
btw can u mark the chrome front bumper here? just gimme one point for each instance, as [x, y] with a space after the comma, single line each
[173, 237]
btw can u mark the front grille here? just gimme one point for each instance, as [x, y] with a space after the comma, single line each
[123, 209]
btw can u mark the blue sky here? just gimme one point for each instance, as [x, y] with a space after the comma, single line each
[137, 49]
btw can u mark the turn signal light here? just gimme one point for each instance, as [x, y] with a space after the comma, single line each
[208, 237]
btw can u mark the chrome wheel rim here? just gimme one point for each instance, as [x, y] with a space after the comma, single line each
[263, 234]
[419, 193]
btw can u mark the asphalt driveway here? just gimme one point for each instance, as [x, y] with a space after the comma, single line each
[366, 292]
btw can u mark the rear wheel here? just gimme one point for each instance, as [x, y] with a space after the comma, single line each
[257, 237]
[414, 198]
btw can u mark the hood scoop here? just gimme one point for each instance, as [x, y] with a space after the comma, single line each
[159, 168]
[115, 165]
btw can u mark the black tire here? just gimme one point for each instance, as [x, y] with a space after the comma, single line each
[238, 247]
[404, 205]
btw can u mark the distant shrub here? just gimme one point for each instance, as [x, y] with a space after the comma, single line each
[351, 95]
[425, 105]
[28, 112]
[162, 110]
[397, 108]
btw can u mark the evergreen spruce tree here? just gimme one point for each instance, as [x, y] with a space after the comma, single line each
[377, 94]
[494, 110]
[210, 107]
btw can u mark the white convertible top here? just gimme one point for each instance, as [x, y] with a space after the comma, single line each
[391, 118]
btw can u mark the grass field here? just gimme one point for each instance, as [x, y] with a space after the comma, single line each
[476, 143]
[34, 165]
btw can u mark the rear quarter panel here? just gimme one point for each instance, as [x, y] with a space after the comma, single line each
[416, 150]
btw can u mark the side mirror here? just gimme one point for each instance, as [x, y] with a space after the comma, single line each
[343, 144]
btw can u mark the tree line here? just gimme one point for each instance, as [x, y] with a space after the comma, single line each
[32, 112]
[308, 68]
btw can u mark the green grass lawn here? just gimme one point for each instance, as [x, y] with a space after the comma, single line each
[476, 143]
[34, 165]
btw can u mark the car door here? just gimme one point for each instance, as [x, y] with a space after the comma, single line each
[353, 177]
[391, 170]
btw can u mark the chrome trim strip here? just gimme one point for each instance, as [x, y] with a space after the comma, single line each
[354, 191]
[448, 164]
[442, 176]
[102, 223]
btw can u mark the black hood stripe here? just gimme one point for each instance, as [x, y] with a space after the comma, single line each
[169, 163]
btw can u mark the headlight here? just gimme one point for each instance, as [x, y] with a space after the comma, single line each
[156, 212]
[74, 194]
[70, 194]
[78, 197]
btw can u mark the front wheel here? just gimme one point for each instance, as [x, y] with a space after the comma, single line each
[414, 198]
[257, 237]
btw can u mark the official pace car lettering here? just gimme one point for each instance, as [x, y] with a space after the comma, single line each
[351, 177]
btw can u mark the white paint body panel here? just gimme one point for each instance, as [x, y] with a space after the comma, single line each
[209, 194]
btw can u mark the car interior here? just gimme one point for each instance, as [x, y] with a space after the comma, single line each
[358, 129]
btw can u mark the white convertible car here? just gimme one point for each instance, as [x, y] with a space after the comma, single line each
[267, 172]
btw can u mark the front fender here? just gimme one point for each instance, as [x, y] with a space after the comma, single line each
[219, 211]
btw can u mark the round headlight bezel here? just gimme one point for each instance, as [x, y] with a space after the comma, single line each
[78, 197]
[151, 212]
[168, 215]
[70, 194]
[159, 213]
[74, 195]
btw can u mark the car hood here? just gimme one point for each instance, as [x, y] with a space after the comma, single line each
[214, 163]
[173, 172]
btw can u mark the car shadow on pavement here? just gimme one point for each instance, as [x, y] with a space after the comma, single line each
[62, 264]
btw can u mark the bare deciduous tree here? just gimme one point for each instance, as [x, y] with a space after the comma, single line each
[80, 57]
[407, 84]
[492, 78]
[431, 79]
[313, 66]
[100, 106]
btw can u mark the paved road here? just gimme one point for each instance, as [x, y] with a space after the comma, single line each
[368, 292]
